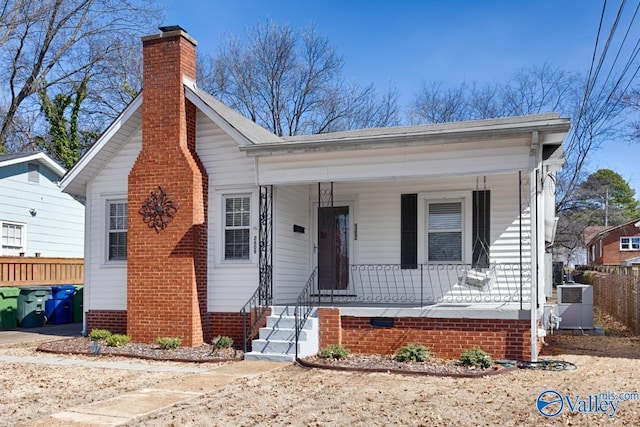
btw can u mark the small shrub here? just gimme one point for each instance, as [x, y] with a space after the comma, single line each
[99, 334]
[223, 342]
[168, 343]
[413, 353]
[334, 351]
[117, 340]
[476, 357]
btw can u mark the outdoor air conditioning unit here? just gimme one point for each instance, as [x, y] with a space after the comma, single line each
[575, 306]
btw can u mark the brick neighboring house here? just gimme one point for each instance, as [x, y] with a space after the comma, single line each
[199, 221]
[613, 245]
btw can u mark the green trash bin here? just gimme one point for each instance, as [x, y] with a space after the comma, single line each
[31, 306]
[78, 304]
[9, 307]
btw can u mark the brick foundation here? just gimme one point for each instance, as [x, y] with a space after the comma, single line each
[446, 338]
[229, 324]
[112, 320]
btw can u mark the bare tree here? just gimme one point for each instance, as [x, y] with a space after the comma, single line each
[632, 101]
[596, 117]
[50, 43]
[290, 82]
[435, 104]
[532, 91]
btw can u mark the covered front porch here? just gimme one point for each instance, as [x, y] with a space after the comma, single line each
[313, 238]
[446, 221]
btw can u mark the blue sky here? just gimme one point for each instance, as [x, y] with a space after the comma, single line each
[406, 42]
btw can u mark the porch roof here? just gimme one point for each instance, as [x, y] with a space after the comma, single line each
[550, 126]
[483, 147]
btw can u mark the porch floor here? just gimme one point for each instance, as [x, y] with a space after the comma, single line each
[462, 310]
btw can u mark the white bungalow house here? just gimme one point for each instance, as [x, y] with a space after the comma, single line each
[200, 223]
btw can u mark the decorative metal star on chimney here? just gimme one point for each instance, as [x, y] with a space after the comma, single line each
[157, 210]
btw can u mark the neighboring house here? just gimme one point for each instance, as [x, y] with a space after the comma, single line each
[619, 245]
[35, 215]
[199, 221]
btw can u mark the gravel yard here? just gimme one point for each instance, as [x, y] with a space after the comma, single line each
[300, 396]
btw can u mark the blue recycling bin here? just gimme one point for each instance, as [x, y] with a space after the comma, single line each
[59, 309]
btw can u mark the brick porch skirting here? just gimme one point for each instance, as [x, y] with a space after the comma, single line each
[446, 338]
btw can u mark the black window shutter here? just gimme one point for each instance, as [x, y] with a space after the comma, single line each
[481, 230]
[409, 231]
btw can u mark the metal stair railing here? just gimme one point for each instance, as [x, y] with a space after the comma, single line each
[305, 304]
[254, 312]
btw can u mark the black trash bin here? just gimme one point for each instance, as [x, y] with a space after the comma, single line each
[78, 298]
[31, 306]
[59, 309]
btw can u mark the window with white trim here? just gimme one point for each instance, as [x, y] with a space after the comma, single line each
[444, 231]
[630, 243]
[237, 227]
[13, 238]
[117, 230]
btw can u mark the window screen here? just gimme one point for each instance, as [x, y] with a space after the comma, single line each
[237, 227]
[444, 225]
[117, 250]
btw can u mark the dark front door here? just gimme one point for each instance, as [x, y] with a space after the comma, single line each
[333, 248]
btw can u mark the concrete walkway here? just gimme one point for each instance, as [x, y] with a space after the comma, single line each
[127, 407]
[42, 333]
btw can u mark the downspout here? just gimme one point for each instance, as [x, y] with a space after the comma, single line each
[86, 290]
[535, 160]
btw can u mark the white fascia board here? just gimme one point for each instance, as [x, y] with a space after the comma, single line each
[39, 156]
[76, 171]
[215, 117]
[423, 136]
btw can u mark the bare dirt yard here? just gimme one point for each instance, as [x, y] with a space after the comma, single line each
[293, 395]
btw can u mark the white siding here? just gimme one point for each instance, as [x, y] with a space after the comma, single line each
[377, 215]
[108, 281]
[229, 284]
[225, 164]
[292, 251]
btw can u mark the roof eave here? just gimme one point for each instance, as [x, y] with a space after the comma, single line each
[39, 156]
[69, 183]
[424, 138]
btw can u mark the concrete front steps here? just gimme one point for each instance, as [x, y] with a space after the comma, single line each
[276, 341]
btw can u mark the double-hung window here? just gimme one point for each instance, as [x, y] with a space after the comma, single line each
[444, 231]
[117, 230]
[13, 238]
[237, 227]
[441, 228]
[630, 243]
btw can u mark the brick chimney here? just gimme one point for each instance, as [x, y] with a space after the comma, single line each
[166, 256]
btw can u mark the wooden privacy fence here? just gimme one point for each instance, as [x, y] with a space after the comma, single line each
[21, 271]
[618, 295]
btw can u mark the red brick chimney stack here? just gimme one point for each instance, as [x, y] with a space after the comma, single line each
[166, 264]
